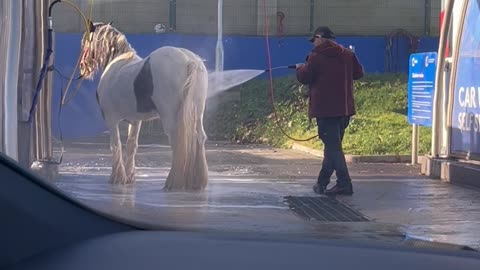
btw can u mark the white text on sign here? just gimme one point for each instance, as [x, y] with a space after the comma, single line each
[467, 97]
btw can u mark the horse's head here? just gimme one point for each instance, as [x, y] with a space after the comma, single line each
[95, 48]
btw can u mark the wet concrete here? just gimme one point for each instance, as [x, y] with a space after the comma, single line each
[246, 190]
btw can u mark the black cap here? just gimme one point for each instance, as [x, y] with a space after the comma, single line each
[324, 32]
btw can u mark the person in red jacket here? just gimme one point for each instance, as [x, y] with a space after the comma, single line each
[329, 71]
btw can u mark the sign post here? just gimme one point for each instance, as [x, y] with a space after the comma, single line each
[421, 87]
[415, 139]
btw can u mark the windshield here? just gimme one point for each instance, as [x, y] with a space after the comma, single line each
[281, 117]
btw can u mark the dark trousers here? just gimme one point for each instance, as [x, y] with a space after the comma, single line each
[331, 131]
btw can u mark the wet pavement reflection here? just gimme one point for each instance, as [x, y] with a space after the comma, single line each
[247, 189]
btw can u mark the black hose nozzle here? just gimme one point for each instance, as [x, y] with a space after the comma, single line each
[281, 67]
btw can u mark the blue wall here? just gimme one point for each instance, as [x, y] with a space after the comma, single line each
[82, 118]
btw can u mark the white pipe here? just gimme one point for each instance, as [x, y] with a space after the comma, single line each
[219, 50]
[14, 8]
[439, 87]
[458, 21]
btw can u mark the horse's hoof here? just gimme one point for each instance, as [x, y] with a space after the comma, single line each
[131, 179]
[119, 180]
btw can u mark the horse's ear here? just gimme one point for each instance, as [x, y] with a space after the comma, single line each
[110, 23]
[92, 27]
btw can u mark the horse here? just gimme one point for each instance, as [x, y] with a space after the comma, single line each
[171, 83]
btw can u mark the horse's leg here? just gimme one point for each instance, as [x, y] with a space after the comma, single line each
[132, 145]
[189, 167]
[200, 177]
[168, 123]
[118, 170]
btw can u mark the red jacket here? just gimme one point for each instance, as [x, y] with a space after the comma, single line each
[329, 72]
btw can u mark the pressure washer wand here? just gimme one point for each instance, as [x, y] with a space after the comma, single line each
[281, 67]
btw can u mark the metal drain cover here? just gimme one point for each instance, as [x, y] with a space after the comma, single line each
[324, 209]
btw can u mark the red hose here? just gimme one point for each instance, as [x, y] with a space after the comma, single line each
[270, 77]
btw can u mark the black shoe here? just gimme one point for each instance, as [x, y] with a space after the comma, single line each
[346, 189]
[319, 189]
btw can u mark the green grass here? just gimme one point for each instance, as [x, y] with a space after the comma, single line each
[380, 126]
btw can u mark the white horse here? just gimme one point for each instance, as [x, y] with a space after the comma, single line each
[171, 84]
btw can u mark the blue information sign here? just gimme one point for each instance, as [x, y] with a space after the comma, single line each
[421, 85]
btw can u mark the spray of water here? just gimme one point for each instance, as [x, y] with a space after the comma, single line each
[224, 80]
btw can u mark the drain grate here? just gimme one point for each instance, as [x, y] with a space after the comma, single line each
[323, 209]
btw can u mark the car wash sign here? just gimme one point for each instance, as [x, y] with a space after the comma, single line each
[465, 128]
[465, 121]
[421, 85]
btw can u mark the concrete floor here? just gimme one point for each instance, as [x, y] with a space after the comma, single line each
[246, 190]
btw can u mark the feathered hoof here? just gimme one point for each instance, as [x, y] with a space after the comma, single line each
[131, 179]
[119, 179]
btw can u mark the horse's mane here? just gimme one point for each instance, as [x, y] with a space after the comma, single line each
[107, 43]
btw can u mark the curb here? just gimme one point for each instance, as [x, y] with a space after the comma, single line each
[458, 172]
[361, 158]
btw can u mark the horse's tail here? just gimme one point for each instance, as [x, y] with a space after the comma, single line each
[189, 167]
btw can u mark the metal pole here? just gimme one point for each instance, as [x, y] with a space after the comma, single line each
[439, 87]
[312, 16]
[47, 97]
[44, 163]
[451, 67]
[39, 113]
[40, 55]
[415, 144]
[428, 17]
[31, 65]
[172, 18]
[443, 145]
[219, 49]
[3, 66]
[41, 125]
[40, 117]
[11, 78]
[48, 114]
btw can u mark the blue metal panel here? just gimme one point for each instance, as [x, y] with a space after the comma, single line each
[465, 122]
[82, 118]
